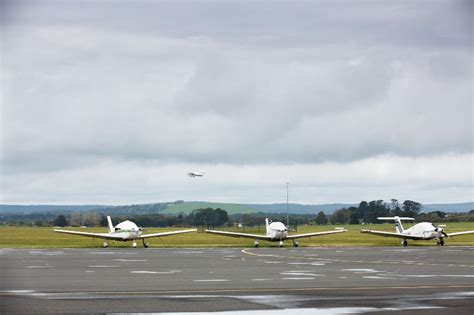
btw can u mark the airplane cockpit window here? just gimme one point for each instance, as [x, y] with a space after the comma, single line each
[117, 229]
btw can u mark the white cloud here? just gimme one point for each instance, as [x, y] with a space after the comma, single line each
[114, 182]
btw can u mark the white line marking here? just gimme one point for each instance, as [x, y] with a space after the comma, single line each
[143, 271]
[299, 263]
[101, 253]
[361, 270]
[33, 267]
[297, 278]
[299, 274]
[103, 266]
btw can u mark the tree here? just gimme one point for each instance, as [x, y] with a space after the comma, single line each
[353, 215]
[60, 221]
[341, 216]
[221, 217]
[411, 208]
[210, 217]
[321, 218]
[76, 219]
[91, 219]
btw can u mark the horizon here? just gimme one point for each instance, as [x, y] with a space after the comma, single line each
[196, 201]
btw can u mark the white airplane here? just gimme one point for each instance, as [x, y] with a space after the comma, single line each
[420, 231]
[124, 231]
[276, 232]
[195, 174]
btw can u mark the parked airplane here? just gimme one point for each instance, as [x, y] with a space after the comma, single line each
[420, 231]
[194, 174]
[276, 232]
[124, 231]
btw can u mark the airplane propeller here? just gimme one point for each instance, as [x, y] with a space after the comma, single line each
[440, 230]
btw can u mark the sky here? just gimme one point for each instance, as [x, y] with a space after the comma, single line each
[113, 102]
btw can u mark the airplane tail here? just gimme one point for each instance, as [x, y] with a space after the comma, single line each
[111, 226]
[398, 222]
[267, 226]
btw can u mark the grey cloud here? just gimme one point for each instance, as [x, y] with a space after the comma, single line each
[215, 102]
[89, 87]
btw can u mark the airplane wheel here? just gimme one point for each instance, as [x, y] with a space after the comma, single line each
[296, 244]
[256, 245]
[441, 242]
[145, 245]
[105, 245]
[281, 244]
[405, 243]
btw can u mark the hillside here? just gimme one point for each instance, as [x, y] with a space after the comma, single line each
[188, 207]
[299, 208]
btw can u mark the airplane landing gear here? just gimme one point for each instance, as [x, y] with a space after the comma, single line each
[256, 244]
[145, 244]
[440, 242]
[295, 243]
[280, 243]
[134, 244]
[105, 245]
[405, 243]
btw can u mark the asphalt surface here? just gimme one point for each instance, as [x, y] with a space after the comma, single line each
[385, 280]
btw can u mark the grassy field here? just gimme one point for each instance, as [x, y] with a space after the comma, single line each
[28, 237]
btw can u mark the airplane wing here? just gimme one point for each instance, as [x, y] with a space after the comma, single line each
[236, 234]
[314, 234]
[460, 233]
[89, 234]
[166, 233]
[391, 234]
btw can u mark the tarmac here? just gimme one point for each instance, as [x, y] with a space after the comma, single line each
[317, 280]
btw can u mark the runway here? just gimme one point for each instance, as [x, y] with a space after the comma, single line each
[330, 280]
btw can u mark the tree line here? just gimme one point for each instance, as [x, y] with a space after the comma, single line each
[364, 213]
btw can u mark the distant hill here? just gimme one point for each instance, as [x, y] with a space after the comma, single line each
[26, 209]
[187, 207]
[449, 207]
[299, 208]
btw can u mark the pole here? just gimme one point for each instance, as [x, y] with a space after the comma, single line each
[287, 206]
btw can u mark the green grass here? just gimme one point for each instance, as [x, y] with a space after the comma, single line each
[188, 207]
[28, 237]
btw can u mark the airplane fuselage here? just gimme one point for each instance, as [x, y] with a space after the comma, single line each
[277, 231]
[127, 230]
[426, 230]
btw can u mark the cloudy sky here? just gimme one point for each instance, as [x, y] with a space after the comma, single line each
[113, 102]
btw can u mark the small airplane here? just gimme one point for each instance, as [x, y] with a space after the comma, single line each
[124, 231]
[195, 174]
[420, 231]
[276, 232]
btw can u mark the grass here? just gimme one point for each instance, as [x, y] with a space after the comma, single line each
[30, 237]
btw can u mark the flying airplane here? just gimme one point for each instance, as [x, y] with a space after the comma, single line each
[276, 232]
[124, 231]
[195, 174]
[420, 231]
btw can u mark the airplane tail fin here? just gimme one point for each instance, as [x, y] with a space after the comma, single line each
[398, 222]
[111, 226]
[267, 225]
